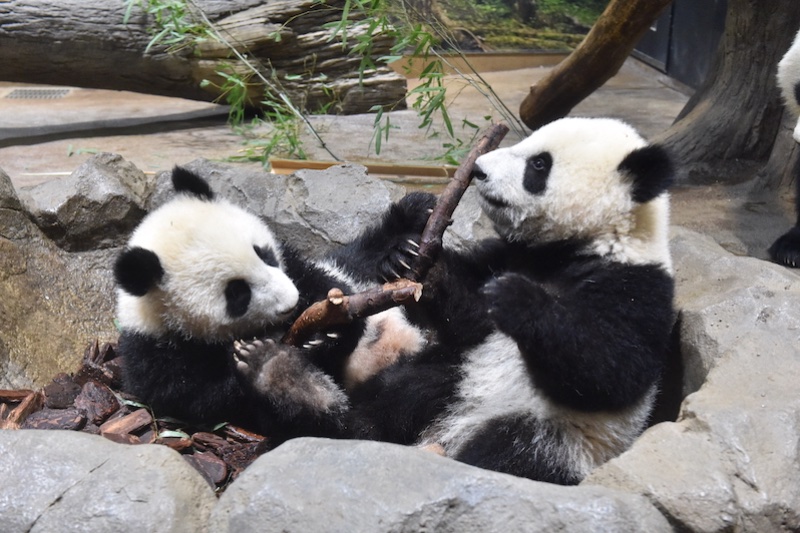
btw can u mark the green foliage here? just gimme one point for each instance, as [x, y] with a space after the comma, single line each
[173, 24]
[234, 91]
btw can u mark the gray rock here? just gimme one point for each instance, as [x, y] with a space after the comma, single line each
[311, 209]
[96, 207]
[470, 224]
[14, 224]
[731, 461]
[318, 209]
[67, 481]
[52, 303]
[8, 196]
[351, 486]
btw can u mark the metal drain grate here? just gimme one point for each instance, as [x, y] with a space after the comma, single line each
[38, 94]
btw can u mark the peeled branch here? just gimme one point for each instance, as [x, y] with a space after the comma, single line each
[340, 309]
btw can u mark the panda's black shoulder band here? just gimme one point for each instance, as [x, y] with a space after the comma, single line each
[186, 181]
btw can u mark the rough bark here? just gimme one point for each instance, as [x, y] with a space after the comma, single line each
[599, 56]
[84, 43]
[730, 126]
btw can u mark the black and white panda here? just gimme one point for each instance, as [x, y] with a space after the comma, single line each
[551, 339]
[786, 249]
[200, 273]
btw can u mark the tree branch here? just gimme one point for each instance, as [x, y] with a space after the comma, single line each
[431, 240]
[340, 309]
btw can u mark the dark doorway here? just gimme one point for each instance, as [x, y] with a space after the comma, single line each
[682, 42]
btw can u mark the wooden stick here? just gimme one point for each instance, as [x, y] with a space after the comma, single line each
[340, 309]
[431, 240]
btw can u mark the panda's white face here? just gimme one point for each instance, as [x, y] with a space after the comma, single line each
[565, 181]
[222, 273]
[789, 81]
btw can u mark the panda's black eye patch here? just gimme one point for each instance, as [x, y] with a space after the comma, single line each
[267, 255]
[537, 169]
[237, 297]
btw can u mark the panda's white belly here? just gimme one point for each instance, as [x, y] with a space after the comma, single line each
[496, 383]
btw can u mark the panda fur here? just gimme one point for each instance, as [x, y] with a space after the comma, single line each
[551, 340]
[198, 274]
[786, 249]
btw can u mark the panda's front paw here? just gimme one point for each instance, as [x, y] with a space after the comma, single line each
[513, 301]
[399, 258]
[413, 211]
[281, 374]
[786, 250]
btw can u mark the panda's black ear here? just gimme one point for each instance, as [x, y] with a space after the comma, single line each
[184, 180]
[650, 169]
[138, 270]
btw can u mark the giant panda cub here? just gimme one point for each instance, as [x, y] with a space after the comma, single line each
[553, 337]
[786, 249]
[199, 274]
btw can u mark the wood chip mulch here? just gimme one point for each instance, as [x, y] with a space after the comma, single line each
[90, 401]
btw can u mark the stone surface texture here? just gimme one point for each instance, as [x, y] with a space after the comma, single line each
[318, 485]
[66, 481]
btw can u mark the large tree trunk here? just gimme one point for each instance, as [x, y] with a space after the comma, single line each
[84, 43]
[599, 56]
[729, 127]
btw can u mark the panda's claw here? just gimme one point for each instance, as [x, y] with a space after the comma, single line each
[405, 265]
[333, 335]
[412, 243]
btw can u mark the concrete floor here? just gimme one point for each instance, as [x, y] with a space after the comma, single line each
[42, 139]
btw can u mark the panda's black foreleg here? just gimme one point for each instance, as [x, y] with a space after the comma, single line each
[598, 348]
[786, 249]
[523, 447]
[402, 400]
[402, 222]
[295, 397]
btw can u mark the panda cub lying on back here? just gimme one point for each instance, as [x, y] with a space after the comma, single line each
[551, 340]
[199, 273]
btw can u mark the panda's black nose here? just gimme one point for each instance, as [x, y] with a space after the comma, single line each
[478, 174]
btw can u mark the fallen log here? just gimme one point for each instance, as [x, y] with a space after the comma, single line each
[86, 43]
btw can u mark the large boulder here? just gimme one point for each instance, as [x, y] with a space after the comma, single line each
[315, 210]
[731, 462]
[52, 303]
[65, 481]
[317, 485]
[96, 207]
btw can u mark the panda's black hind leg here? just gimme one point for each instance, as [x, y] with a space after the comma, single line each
[786, 250]
[298, 394]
